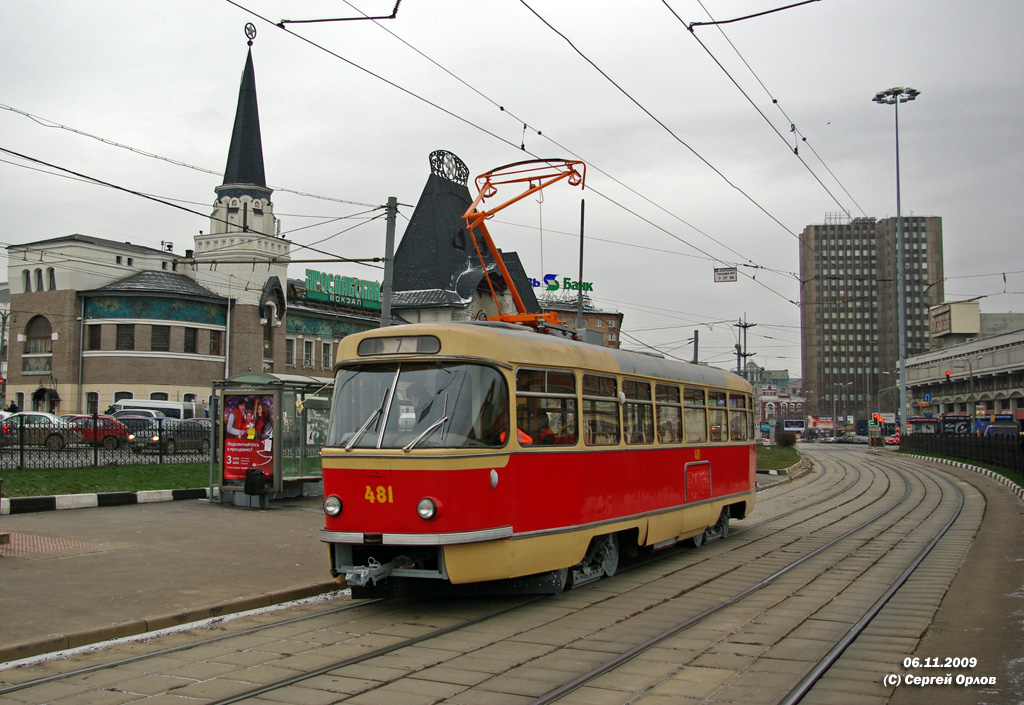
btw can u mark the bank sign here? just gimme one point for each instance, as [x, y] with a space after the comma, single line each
[552, 282]
[347, 291]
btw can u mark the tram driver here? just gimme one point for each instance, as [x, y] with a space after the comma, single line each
[538, 429]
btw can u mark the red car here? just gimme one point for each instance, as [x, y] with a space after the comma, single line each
[105, 430]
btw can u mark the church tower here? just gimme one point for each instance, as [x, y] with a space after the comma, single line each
[243, 257]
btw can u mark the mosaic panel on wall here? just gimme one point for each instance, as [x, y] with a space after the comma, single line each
[156, 308]
[322, 328]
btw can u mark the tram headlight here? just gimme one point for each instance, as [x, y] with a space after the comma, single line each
[426, 508]
[332, 506]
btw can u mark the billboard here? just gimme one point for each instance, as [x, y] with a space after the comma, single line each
[794, 425]
[821, 423]
[248, 421]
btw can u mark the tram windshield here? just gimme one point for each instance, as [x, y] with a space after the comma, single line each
[419, 405]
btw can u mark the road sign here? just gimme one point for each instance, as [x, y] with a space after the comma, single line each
[726, 274]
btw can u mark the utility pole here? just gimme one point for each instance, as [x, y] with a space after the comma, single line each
[741, 353]
[3, 346]
[696, 339]
[389, 264]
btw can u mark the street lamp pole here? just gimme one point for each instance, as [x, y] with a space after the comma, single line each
[893, 97]
[970, 398]
[835, 425]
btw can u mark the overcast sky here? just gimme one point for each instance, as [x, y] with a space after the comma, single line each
[690, 163]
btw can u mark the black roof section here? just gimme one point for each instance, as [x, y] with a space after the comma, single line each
[99, 242]
[245, 155]
[436, 264]
[157, 283]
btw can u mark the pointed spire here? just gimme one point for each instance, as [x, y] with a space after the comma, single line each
[245, 156]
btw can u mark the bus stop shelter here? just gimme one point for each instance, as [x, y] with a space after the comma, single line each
[269, 430]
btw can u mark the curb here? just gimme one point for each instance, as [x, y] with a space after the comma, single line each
[1009, 484]
[796, 469]
[25, 505]
[59, 642]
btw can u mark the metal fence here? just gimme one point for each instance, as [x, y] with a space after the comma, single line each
[95, 442]
[1002, 451]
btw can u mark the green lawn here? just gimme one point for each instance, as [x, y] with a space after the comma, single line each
[776, 457]
[118, 478]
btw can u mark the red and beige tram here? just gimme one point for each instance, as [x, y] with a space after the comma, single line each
[482, 451]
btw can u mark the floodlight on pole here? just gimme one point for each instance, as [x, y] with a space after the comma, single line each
[893, 97]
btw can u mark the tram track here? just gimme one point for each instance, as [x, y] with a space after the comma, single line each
[766, 553]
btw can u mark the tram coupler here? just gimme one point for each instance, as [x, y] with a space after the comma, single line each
[375, 571]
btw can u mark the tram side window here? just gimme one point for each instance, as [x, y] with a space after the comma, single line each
[546, 407]
[600, 410]
[695, 415]
[638, 412]
[669, 413]
[718, 416]
[738, 423]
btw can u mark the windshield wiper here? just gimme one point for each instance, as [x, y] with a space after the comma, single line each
[430, 429]
[366, 424]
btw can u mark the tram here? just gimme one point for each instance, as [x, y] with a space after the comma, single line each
[483, 451]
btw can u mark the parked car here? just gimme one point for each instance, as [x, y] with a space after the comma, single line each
[165, 435]
[38, 428]
[148, 413]
[104, 430]
[892, 440]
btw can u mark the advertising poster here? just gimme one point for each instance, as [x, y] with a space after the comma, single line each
[248, 425]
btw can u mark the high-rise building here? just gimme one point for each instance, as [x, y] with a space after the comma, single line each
[849, 309]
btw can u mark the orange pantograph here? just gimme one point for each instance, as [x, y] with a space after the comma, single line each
[536, 174]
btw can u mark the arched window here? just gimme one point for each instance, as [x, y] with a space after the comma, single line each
[158, 396]
[118, 396]
[26, 279]
[51, 277]
[38, 336]
[268, 338]
[92, 402]
[39, 280]
[38, 355]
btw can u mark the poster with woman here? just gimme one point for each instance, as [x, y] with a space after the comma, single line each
[248, 425]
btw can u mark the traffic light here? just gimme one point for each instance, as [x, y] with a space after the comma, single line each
[948, 373]
[875, 419]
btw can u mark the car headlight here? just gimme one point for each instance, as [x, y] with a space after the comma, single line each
[426, 508]
[332, 506]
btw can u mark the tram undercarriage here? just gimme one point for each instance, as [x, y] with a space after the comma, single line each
[379, 570]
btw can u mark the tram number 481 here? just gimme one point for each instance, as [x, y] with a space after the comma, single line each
[380, 494]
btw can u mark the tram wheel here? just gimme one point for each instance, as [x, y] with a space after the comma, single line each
[721, 528]
[696, 541]
[609, 554]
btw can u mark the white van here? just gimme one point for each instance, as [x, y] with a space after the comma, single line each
[171, 409]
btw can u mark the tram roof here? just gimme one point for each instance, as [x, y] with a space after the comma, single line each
[524, 346]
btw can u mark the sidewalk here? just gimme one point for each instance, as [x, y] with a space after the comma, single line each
[70, 578]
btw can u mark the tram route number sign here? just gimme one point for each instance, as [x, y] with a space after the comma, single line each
[725, 274]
